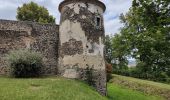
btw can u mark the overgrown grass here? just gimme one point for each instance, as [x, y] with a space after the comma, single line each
[146, 82]
[116, 92]
[144, 86]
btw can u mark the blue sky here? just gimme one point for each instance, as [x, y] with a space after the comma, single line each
[112, 23]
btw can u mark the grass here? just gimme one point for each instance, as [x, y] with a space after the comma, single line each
[151, 83]
[55, 88]
[116, 92]
[46, 89]
[144, 86]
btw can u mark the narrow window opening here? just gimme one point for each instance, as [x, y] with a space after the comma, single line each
[98, 21]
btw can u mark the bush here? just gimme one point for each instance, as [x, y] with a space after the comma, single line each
[109, 70]
[25, 63]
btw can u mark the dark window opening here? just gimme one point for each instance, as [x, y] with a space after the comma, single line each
[87, 46]
[98, 21]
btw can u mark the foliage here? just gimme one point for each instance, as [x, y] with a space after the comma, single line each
[116, 52]
[145, 36]
[25, 63]
[147, 28]
[109, 70]
[120, 51]
[34, 12]
[109, 49]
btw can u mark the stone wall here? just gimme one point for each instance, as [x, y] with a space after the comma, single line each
[38, 37]
[69, 51]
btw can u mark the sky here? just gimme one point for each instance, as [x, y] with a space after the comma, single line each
[8, 10]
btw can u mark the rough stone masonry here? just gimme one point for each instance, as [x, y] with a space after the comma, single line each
[38, 37]
[69, 49]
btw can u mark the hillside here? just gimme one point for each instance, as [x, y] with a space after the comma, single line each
[143, 86]
[46, 89]
[56, 88]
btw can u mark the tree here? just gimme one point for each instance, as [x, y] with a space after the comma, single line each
[117, 51]
[34, 12]
[146, 30]
[108, 49]
[120, 51]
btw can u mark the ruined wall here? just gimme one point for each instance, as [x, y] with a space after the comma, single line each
[81, 41]
[38, 37]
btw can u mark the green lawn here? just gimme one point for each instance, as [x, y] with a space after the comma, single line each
[46, 89]
[146, 82]
[116, 92]
[144, 86]
[55, 88]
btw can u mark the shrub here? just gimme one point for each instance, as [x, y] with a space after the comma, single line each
[109, 70]
[25, 63]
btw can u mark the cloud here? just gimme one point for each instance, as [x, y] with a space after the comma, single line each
[114, 9]
[8, 10]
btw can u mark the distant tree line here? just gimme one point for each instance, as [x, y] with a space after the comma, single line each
[145, 36]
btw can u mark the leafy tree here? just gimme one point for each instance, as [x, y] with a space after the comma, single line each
[108, 49]
[120, 51]
[147, 32]
[34, 12]
[116, 52]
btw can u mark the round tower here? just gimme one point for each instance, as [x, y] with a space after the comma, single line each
[81, 50]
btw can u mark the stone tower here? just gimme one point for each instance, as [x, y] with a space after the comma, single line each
[81, 36]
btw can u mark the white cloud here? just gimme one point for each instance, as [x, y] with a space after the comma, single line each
[8, 10]
[114, 9]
